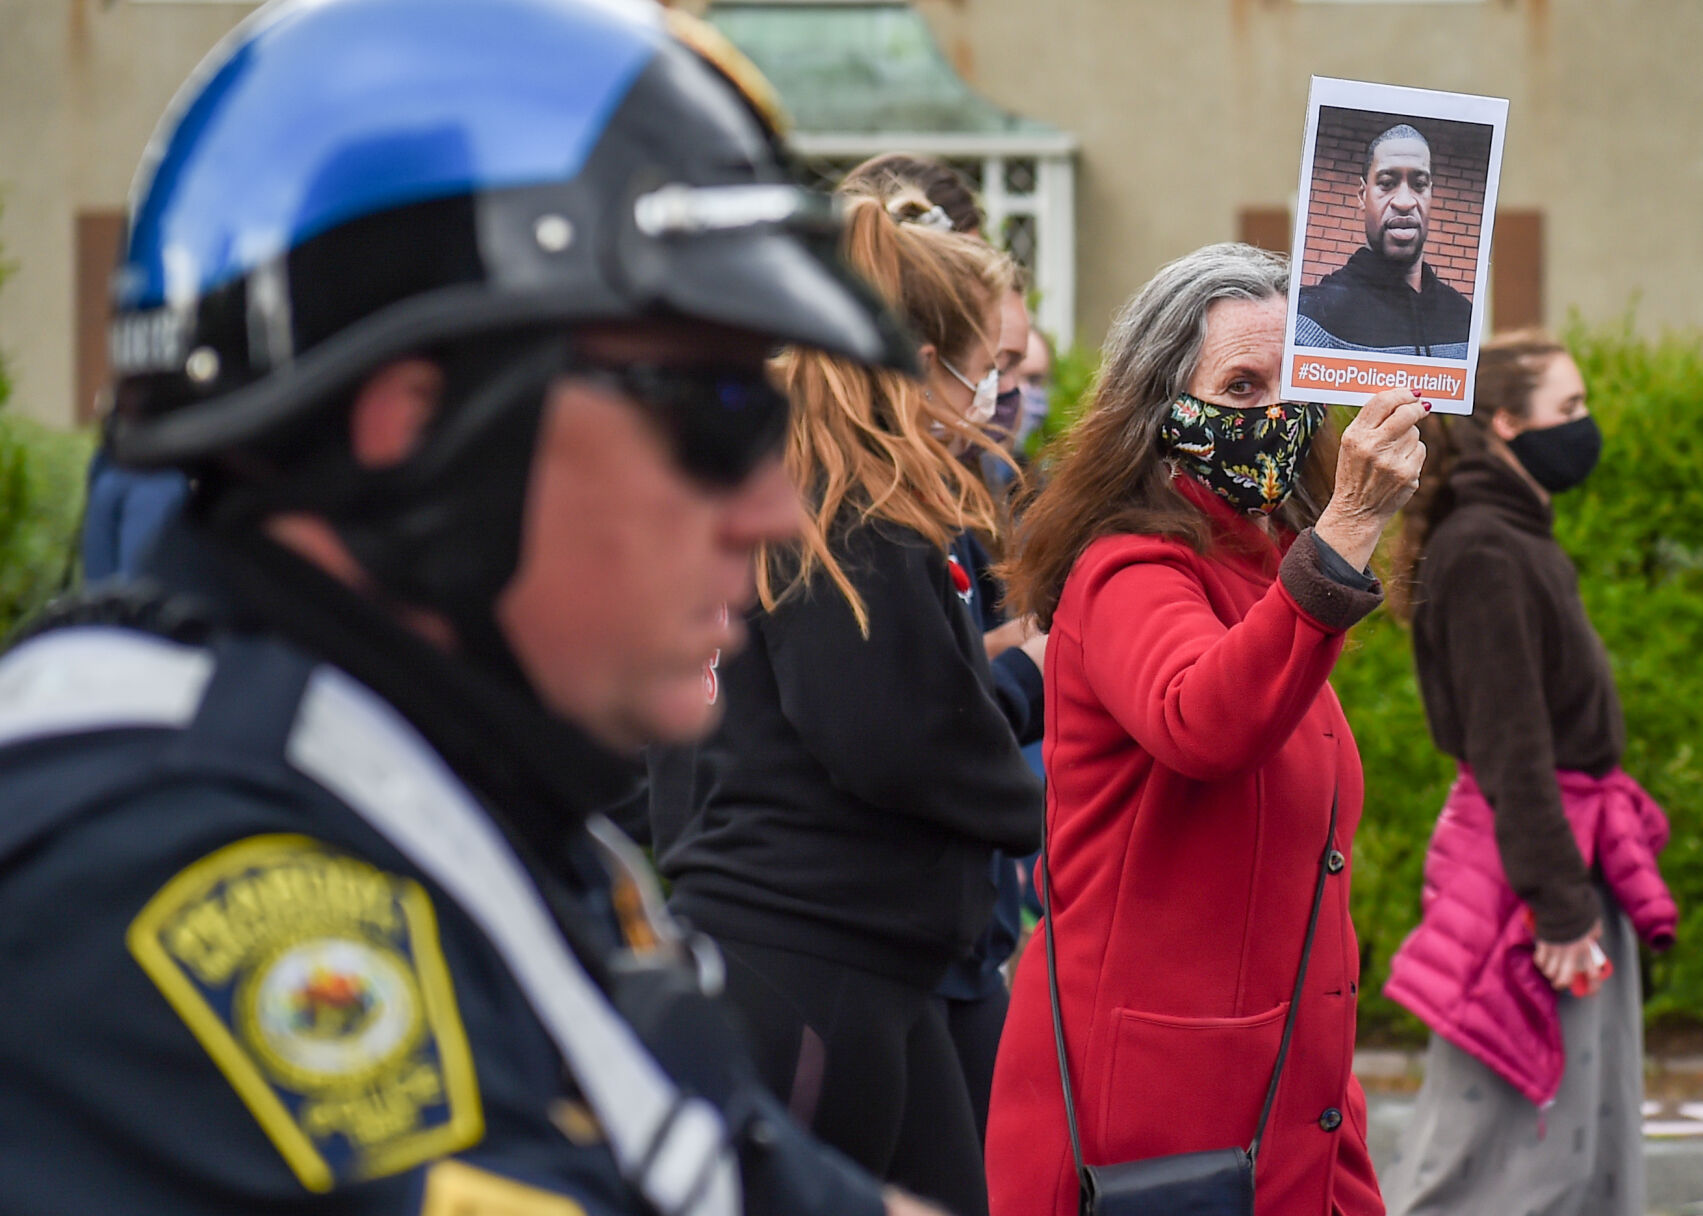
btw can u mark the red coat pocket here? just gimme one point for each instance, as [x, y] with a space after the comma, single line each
[1179, 1085]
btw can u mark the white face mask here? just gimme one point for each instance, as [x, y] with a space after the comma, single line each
[986, 392]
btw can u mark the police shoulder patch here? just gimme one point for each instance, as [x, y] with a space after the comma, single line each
[317, 985]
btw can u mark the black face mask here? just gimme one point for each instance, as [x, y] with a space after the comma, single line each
[1559, 457]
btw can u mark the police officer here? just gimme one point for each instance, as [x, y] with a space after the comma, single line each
[457, 315]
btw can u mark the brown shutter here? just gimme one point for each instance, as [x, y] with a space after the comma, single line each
[1265, 228]
[1516, 271]
[99, 235]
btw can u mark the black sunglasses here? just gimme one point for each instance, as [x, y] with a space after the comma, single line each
[720, 422]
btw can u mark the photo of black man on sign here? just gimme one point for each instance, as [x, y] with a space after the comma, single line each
[1387, 297]
[1393, 239]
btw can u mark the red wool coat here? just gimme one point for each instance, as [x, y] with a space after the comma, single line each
[1193, 747]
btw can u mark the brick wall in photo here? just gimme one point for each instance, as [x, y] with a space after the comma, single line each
[1460, 159]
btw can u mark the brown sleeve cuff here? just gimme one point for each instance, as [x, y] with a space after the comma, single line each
[1565, 914]
[1330, 604]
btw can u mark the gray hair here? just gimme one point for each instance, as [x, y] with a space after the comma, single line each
[1154, 344]
[1111, 475]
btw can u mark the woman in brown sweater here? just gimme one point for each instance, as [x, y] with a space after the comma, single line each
[1518, 688]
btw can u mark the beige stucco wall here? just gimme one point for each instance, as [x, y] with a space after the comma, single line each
[1187, 111]
[81, 85]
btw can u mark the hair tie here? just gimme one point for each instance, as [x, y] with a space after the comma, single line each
[935, 217]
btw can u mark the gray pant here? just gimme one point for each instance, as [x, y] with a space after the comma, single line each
[1476, 1147]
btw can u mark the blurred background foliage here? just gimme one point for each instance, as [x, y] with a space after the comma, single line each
[1073, 377]
[1635, 530]
[41, 504]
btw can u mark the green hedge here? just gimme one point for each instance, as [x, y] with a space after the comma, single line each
[1073, 376]
[1635, 529]
[41, 504]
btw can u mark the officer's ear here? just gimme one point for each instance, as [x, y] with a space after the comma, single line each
[392, 411]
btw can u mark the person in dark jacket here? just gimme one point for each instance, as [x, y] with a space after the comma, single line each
[974, 987]
[1386, 298]
[127, 509]
[864, 774]
[1520, 691]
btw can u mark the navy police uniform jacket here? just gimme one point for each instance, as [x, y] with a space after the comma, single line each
[297, 915]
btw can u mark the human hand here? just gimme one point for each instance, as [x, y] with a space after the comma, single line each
[1563, 962]
[901, 1204]
[1013, 633]
[1035, 646]
[1377, 471]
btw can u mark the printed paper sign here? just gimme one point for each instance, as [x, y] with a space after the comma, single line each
[1392, 243]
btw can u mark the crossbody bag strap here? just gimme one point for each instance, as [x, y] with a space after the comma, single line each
[1058, 1016]
[1288, 1022]
[1300, 979]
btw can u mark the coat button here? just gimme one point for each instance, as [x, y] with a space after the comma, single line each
[1334, 861]
[1331, 1119]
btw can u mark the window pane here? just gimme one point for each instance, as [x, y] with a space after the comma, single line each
[1021, 175]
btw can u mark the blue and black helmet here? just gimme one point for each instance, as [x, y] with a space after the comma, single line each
[346, 181]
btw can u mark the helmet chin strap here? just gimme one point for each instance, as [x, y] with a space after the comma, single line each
[443, 529]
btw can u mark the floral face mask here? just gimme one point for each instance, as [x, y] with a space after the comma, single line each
[1249, 457]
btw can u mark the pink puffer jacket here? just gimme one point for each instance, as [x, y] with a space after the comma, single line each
[1467, 970]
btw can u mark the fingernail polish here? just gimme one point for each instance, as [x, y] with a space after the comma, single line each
[1427, 406]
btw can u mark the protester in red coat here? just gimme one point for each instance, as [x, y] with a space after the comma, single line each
[1198, 596]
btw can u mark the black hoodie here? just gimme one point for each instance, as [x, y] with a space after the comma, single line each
[850, 802]
[1367, 305]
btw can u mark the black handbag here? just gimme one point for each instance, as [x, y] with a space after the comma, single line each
[1214, 1182]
